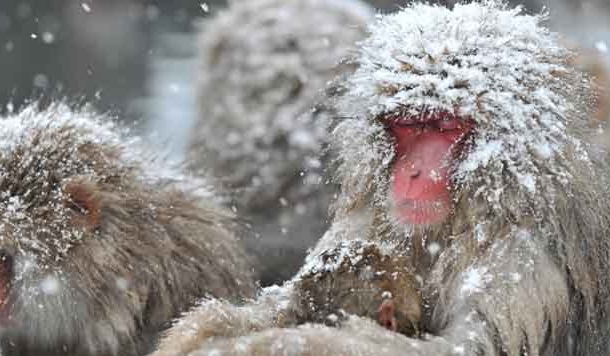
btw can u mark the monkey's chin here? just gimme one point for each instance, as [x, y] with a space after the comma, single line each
[423, 212]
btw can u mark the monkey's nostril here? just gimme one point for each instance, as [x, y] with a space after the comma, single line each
[415, 168]
[414, 172]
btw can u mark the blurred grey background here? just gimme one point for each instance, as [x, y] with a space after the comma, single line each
[133, 57]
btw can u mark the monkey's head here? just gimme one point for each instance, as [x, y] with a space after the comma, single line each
[460, 117]
[264, 66]
[81, 212]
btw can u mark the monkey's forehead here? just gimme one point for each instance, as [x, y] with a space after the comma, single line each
[31, 123]
[54, 136]
[478, 57]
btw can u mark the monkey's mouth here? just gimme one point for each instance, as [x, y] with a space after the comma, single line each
[425, 147]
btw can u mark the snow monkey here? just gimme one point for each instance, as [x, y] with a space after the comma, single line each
[264, 66]
[461, 136]
[101, 245]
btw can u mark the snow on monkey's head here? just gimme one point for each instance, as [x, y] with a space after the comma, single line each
[449, 105]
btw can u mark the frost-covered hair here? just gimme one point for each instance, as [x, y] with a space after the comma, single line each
[483, 61]
[261, 128]
[101, 244]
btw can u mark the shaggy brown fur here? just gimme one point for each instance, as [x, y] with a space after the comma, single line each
[104, 248]
[360, 279]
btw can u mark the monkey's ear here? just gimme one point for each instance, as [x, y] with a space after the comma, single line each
[83, 199]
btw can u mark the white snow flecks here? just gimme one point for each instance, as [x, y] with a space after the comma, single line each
[474, 280]
[482, 61]
[19, 129]
[601, 46]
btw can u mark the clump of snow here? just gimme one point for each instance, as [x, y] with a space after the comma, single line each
[50, 285]
[601, 46]
[122, 284]
[516, 277]
[434, 248]
[474, 280]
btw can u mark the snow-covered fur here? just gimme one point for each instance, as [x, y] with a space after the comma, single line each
[522, 265]
[264, 66]
[598, 66]
[101, 244]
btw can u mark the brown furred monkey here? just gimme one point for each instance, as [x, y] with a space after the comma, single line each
[462, 143]
[264, 65]
[101, 245]
[362, 279]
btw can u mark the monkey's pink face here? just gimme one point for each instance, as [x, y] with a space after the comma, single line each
[424, 149]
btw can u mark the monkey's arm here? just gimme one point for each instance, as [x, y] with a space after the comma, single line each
[214, 319]
[480, 312]
[513, 300]
[358, 337]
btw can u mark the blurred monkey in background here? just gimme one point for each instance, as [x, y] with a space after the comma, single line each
[264, 65]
